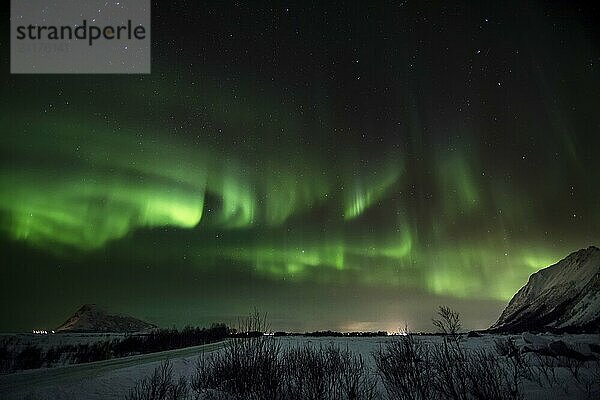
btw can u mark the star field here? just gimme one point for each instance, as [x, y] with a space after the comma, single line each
[336, 166]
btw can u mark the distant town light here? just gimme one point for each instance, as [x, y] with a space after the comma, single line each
[40, 332]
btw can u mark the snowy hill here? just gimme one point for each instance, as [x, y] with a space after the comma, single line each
[563, 297]
[91, 318]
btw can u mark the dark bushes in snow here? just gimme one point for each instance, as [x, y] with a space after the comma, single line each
[160, 385]
[257, 368]
[32, 357]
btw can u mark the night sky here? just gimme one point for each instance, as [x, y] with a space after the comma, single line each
[348, 167]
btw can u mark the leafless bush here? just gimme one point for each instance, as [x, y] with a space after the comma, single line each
[254, 367]
[257, 368]
[161, 385]
[574, 366]
[255, 324]
[592, 380]
[405, 368]
[585, 375]
[326, 373]
[463, 374]
[544, 370]
[517, 365]
[489, 378]
[506, 347]
[248, 367]
[450, 363]
[411, 369]
[448, 321]
[542, 367]
[356, 380]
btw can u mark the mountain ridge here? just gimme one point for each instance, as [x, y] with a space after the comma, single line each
[92, 318]
[562, 297]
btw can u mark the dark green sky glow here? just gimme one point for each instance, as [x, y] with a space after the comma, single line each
[344, 168]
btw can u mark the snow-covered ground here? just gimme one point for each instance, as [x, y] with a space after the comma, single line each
[112, 379]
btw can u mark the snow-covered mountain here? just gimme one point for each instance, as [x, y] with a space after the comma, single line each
[91, 318]
[563, 297]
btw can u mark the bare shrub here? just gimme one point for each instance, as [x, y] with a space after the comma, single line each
[450, 365]
[405, 368]
[411, 369]
[326, 373]
[542, 366]
[253, 366]
[592, 380]
[309, 375]
[585, 375]
[248, 367]
[517, 365]
[356, 380]
[257, 368]
[489, 378]
[462, 374]
[160, 385]
[506, 347]
[544, 369]
[448, 321]
[255, 324]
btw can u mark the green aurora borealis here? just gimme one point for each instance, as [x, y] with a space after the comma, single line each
[226, 181]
